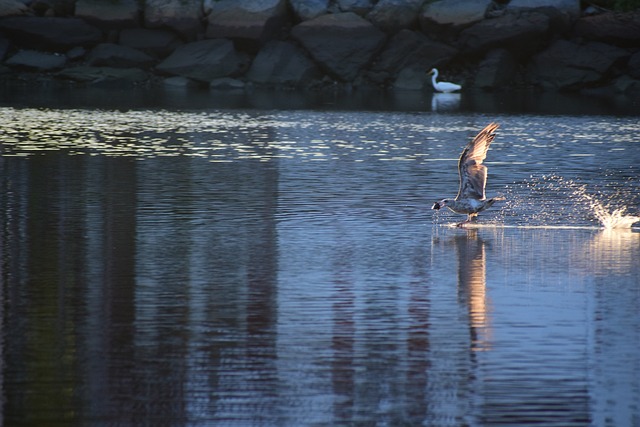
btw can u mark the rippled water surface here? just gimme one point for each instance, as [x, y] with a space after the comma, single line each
[283, 267]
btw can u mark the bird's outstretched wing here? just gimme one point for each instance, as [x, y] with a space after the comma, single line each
[473, 174]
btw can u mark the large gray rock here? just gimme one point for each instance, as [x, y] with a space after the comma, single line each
[627, 85]
[342, 43]
[567, 65]
[394, 15]
[113, 55]
[109, 14]
[95, 75]
[359, 7]
[569, 7]
[309, 9]
[410, 79]
[634, 65]
[49, 33]
[259, 20]
[13, 7]
[226, 84]
[496, 70]
[179, 82]
[409, 50]
[51, 7]
[182, 16]
[282, 63]
[4, 47]
[203, 60]
[38, 61]
[158, 43]
[525, 32]
[454, 12]
[622, 29]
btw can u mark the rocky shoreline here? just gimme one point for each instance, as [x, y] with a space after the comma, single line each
[551, 45]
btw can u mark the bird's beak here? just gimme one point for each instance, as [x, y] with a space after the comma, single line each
[436, 206]
[429, 73]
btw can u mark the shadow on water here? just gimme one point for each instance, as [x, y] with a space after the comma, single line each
[56, 95]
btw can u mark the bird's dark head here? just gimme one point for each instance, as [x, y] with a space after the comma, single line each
[441, 204]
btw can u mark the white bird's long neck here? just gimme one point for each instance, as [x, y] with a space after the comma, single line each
[434, 77]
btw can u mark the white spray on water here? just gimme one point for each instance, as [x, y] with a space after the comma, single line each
[554, 200]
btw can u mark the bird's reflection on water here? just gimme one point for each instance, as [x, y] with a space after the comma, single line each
[472, 287]
[445, 102]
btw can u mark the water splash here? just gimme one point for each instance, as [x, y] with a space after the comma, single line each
[555, 200]
[610, 219]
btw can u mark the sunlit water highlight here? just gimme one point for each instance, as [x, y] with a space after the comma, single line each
[249, 267]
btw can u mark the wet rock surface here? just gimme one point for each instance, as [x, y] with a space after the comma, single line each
[342, 43]
[238, 44]
[203, 60]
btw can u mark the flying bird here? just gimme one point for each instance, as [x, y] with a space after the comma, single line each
[442, 86]
[471, 198]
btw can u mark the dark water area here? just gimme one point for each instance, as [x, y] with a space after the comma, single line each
[55, 94]
[177, 263]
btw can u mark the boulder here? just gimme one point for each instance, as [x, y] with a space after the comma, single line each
[226, 83]
[282, 63]
[622, 29]
[158, 43]
[454, 12]
[496, 70]
[52, 7]
[37, 61]
[94, 75]
[566, 65]
[523, 32]
[109, 14]
[409, 50]
[569, 7]
[633, 65]
[343, 43]
[393, 15]
[179, 82]
[359, 7]
[309, 9]
[76, 53]
[13, 7]
[49, 33]
[627, 85]
[113, 55]
[185, 17]
[203, 60]
[410, 79]
[4, 47]
[258, 20]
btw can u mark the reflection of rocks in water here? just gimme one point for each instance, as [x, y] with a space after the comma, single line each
[613, 251]
[441, 102]
[472, 286]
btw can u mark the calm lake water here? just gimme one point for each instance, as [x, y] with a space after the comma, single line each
[167, 263]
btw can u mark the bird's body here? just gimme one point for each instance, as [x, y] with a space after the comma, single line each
[471, 198]
[442, 86]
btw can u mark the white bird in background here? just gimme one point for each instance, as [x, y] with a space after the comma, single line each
[442, 86]
[473, 177]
